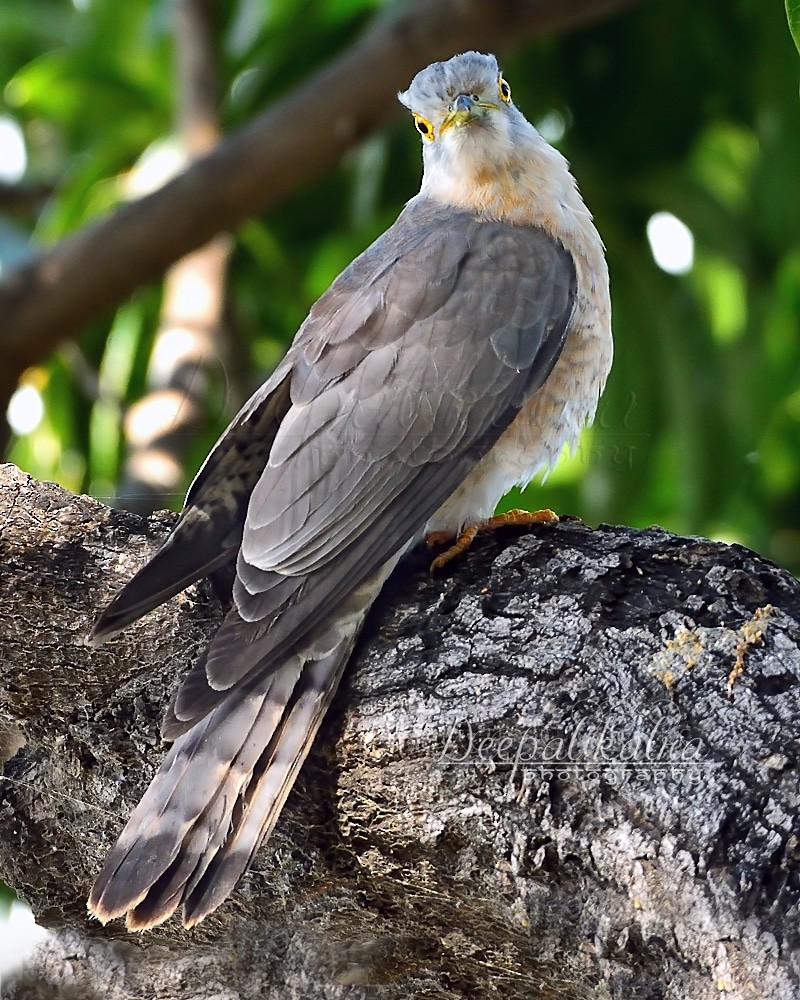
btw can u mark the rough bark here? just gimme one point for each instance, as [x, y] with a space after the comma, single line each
[620, 826]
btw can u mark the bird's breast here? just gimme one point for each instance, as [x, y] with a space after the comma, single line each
[552, 418]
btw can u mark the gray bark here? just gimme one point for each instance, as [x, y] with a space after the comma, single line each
[620, 825]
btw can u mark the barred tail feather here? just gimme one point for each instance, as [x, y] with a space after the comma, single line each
[217, 796]
[272, 780]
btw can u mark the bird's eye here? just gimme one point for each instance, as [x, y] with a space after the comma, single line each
[424, 127]
[504, 91]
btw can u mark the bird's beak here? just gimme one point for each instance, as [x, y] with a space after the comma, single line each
[463, 110]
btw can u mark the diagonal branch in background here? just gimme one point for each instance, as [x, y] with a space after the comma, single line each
[23, 198]
[568, 769]
[159, 426]
[94, 270]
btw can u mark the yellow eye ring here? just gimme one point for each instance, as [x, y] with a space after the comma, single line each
[424, 127]
[504, 90]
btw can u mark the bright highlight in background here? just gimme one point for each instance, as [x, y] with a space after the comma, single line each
[13, 156]
[671, 243]
[552, 126]
[25, 410]
[20, 934]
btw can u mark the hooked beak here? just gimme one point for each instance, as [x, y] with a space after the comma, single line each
[463, 110]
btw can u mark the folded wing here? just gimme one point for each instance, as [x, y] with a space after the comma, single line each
[404, 375]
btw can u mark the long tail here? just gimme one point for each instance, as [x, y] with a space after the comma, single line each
[217, 796]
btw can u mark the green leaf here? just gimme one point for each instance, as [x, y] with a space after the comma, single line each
[793, 14]
[7, 898]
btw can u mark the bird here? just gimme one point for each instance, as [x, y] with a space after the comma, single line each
[453, 359]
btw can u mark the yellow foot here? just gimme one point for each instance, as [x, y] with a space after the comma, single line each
[459, 546]
[513, 518]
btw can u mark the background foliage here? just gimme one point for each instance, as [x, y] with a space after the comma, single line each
[674, 106]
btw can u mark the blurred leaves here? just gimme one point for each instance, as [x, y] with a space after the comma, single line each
[677, 107]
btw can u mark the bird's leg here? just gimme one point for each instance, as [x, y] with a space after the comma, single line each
[460, 543]
[459, 546]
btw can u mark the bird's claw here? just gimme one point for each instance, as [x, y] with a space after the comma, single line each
[512, 518]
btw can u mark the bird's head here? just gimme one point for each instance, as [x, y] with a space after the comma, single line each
[469, 125]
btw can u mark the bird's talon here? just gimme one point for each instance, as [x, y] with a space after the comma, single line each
[512, 518]
[459, 546]
[516, 517]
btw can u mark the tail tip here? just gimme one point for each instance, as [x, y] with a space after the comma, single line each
[96, 910]
[134, 921]
[105, 627]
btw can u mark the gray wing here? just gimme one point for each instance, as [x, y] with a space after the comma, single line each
[404, 375]
[209, 531]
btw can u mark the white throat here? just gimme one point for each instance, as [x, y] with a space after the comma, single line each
[515, 176]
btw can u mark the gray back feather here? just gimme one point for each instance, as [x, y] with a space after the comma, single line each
[404, 375]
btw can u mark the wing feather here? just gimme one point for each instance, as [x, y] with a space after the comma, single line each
[399, 385]
[509, 294]
[209, 531]
[403, 376]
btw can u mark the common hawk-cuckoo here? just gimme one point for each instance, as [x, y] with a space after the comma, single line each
[450, 361]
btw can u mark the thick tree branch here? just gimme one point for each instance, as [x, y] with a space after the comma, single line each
[297, 139]
[567, 770]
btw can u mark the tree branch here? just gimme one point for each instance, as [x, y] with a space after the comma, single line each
[23, 198]
[569, 768]
[97, 268]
